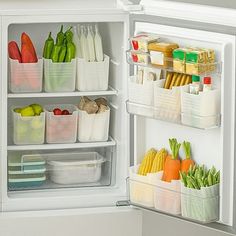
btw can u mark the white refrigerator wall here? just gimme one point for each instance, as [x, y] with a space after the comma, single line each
[209, 147]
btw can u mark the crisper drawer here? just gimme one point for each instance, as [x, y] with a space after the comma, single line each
[86, 168]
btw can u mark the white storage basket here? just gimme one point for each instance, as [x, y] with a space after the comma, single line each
[92, 76]
[59, 77]
[26, 77]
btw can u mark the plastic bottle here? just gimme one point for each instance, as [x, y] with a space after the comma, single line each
[91, 48]
[84, 44]
[194, 87]
[76, 40]
[207, 86]
[98, 45]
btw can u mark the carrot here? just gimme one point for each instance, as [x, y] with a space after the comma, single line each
[188, 161]
[172, 164]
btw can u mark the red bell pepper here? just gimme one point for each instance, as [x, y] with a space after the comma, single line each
[14, 51]
[28, 52]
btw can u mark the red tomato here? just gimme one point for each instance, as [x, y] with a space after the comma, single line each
[57, 111]
[65, 112]
[135, 44]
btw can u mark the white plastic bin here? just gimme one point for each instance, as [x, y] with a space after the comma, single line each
[141, 192]
[201, 205]
[61, 128]
[92, 76]
[93, 127]
[28, 129]
[166, 194]
[202, 110]
[59, 77]
[167, 102]
[26, 77]
[75, 168]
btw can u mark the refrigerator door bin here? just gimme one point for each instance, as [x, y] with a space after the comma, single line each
[92, 76]
[26, 77]
[28, 129]
[61, 128]
[93, 127]
[59, 77]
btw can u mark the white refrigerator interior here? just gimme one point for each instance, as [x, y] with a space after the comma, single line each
[101, 163]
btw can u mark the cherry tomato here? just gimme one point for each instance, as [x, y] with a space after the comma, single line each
[65, 112]
[57, 111]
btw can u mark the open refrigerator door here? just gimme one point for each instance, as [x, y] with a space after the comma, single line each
[181, 98]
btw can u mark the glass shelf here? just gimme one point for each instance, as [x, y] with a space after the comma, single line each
[144, 59]
[173, 116]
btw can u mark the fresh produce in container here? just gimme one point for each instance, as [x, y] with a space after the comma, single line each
[30, 110]
[147, 162]
[14, 51]
[48, 46]
[172, 164]
[187, 162]
[159, 161]
[28, 52]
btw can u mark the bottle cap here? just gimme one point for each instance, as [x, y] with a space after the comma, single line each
[207, 80]
[195, 78]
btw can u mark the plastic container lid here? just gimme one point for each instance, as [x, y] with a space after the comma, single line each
[27, 180]
[26, 160]
[207, 80]
[195, 78]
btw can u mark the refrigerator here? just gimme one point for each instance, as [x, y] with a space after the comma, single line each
[133, 127]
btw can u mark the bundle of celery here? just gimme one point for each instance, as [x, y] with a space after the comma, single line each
[199, 176]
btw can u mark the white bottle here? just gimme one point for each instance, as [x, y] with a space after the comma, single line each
[84, 44]
[90, 41]
[76, 41]
[98, 45]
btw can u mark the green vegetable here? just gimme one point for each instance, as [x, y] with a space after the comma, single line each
[48, 47]
[60, 36]
[69, 35]
[183, 178]
[62, 53]
[55, 53]
[174, 146]
[70, 54]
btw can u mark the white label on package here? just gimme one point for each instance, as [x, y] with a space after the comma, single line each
[157, 58]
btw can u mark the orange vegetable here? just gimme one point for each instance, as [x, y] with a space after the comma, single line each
[185, 165]
[172, 164]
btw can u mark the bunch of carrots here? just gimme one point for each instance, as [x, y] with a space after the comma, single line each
[27, 54]
[169, 163]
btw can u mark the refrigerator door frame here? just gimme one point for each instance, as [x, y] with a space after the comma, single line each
[146, 19]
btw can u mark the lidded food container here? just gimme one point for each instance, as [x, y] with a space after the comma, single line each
[161, 53]
[179, 59]
[140, 42]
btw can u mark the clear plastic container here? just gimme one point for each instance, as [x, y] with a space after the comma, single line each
[61, 128]
[200, 205]
[75, 168]
[92, 76]
[202, 110]
[26, 77]
[167, 102]
[59, 77]
[140, 190]
[28, 129]
[93, 127]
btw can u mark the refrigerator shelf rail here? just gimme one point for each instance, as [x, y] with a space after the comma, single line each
[174, 116]
[144, 59]
[174, 199]
[58, 146]
[111, 91]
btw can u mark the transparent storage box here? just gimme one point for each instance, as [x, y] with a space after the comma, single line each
[92, 76]
[93, 127]
[28, 129]
[25, 172]
[167, 102]
[61, 128]
[75, 168]
[26, 77]
[200, 205]
[59, 77]
[202, 110]
[166, 194]
[140, 189]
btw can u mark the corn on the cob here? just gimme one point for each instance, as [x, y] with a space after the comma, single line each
[146, 165]
[159, 161]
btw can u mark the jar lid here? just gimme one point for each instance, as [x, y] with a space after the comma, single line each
[207, 80]
[195, 78]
